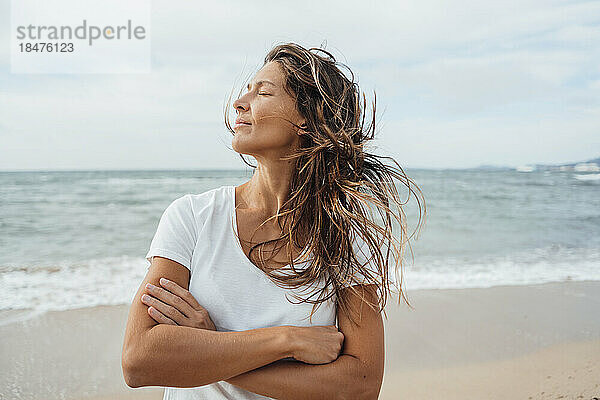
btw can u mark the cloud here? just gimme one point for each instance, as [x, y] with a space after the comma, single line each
[496, 139]
[485, 80]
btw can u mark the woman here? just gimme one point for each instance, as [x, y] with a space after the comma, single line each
[221, 323]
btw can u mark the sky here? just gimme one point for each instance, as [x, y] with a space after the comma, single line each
[459, 84]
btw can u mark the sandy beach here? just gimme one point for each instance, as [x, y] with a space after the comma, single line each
[506, 342]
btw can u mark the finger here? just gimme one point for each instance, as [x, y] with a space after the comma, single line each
[171, 299]
[173, 287]
[160, 317]
[166, 309]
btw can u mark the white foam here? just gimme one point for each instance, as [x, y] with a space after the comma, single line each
[115, 280]
[64, 286]
[552, 264]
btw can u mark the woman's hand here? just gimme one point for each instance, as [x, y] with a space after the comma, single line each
[316, 344]
[172, 304]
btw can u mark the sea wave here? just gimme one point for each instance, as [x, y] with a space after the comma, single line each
[115, 280]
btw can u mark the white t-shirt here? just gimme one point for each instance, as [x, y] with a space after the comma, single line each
[198, 231]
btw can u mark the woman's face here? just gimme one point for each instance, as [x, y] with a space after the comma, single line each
[266, 107]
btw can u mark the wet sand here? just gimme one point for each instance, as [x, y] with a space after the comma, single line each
[538, 342]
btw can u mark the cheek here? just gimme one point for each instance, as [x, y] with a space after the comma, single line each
[273, 119]
[263, 117]
[269, 134]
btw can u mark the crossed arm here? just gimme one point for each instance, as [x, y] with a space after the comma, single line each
[344, 378]
[253, 359]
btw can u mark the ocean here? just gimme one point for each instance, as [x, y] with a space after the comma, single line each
[74, 239]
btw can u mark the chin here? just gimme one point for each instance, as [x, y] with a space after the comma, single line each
[239, 146]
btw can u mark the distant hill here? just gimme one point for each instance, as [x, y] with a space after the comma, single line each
[567, 166]
[562, 167]
[594, 160]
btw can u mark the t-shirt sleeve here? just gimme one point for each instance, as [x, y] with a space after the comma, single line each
[175, 237]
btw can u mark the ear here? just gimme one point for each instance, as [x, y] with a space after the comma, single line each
[303, 126]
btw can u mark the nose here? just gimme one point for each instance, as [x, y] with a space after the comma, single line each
[240, 105]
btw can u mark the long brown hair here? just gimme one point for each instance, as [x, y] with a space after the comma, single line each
[335, 184]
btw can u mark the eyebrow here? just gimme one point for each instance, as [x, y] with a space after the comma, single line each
[258, 83]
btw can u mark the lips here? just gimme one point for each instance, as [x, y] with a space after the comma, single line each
[241, 122]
